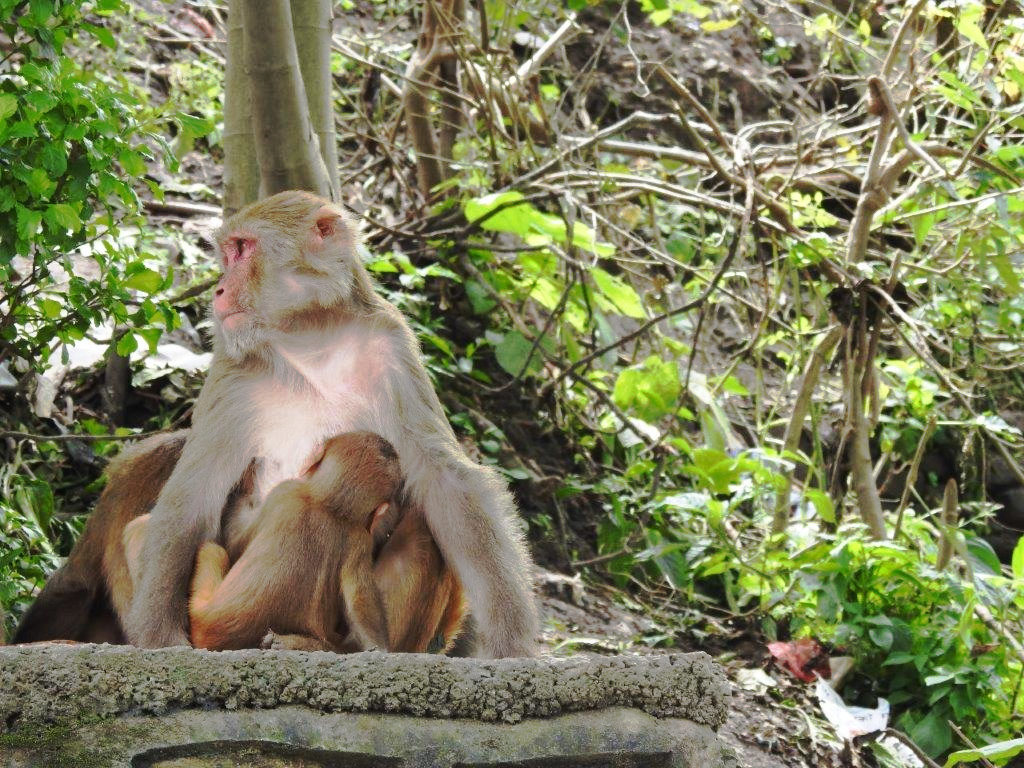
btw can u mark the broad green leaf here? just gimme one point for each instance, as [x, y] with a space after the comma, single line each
[479, 298]
[514, 219]
[932, 733]
[50, 308]
[381, 265]
[1017, 561]
[512, 353]
[881, 636]
[40, 101]
[1006, 270]
[998, 753]
[28, 222]
[132, 163]
[197, 126]
[823, 504]
[54, 158]
[620, 293]
[38, 183]
[151, 336]
[967, 25]
[127, 344]
[533, 225]
[61, 217]
[104, 35]
[650, 390]
[8, 105]
[145, 280]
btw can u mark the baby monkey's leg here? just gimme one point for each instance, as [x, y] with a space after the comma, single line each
[211, 566]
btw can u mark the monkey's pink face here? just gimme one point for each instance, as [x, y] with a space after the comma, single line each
[228, 307]
[281, 272]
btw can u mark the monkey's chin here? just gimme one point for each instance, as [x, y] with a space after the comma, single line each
[234, 321]
[239, 336]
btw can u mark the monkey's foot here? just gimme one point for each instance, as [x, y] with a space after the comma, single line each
[271, 641]
[275, 642]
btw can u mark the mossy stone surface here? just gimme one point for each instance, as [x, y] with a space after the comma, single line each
[99, 706]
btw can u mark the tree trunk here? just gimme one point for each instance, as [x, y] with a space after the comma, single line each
[311, 24]
[287, 149]
[241, 172]
[442, 24]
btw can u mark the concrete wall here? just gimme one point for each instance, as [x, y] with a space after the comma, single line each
[80, 705]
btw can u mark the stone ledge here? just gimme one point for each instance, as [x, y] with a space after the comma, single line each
[294, 737]
[74, 683]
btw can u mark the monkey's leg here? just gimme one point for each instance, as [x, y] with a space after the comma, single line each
[211, 566]
[421, 596]
[363, 605]
[133, 538]
[473, 520]
[186, 514]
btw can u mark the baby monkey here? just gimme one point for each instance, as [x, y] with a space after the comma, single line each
[309, 564]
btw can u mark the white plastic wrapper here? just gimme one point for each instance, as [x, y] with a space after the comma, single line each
[850, 721]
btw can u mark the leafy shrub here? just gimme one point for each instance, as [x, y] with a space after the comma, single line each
[70, 136]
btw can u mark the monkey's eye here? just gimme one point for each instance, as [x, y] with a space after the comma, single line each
[237, 249]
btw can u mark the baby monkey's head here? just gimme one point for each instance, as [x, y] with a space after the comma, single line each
[356, 473]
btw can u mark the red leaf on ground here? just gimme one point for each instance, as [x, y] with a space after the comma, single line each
[802, 657]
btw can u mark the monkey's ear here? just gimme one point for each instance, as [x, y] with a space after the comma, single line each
[329, 223]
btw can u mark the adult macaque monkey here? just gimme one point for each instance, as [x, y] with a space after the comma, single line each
[305, 349]
[308, 570]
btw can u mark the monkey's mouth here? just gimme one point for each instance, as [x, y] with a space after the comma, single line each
[232, 319]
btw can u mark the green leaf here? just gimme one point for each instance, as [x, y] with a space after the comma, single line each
[1017, 561]
[1011, 282]
[38, 183]
[479, 298]
[513, 352]
[720, 25]
[132, 163]
[932, 733]
[998, 753]
[54, 158]
[28, 222]
[514, 219]
[967, 25]
[197, 126]
[104, 35]
[61, 217]
[145, 280]
[881, 636]
[651, 390]
[823, 504]
[127, 344]
[620, 293]
[50, 308]
[8, 105]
